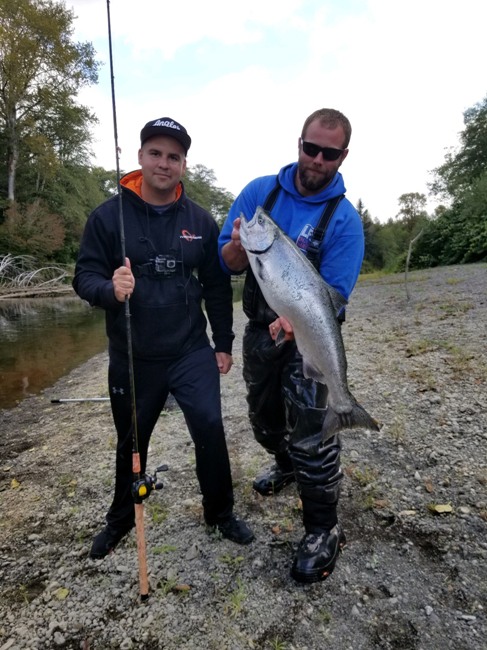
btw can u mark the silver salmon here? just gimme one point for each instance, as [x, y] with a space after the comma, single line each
[294, 289]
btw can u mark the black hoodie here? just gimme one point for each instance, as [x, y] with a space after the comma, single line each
[174, 259]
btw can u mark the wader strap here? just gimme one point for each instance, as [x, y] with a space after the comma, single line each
[313, 252]
[272, 198]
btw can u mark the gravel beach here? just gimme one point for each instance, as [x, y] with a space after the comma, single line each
[414, 504]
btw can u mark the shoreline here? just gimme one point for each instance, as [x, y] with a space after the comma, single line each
[411, 577]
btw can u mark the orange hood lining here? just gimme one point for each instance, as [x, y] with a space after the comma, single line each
[133, 181]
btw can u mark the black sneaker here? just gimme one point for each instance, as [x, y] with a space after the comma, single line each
[273, 480]
[317, 554]
[106, 541]
[234, 529]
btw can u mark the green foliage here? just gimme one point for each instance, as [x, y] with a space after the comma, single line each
[200, 185]
[462, 168]
[74, 193]
[455, 234]
[458, 234]
[412, 213]
[32, 228]
[42, 127]
[50, 227]
[373, 257]
[46, 187]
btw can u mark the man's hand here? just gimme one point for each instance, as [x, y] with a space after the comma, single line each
[123, 281]
[224, 361]
[233, 252]
[282, 330]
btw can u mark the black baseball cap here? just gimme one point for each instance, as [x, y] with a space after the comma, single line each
[166, 126]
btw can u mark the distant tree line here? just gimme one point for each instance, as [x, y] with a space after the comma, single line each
[457, 231]
[48, 186]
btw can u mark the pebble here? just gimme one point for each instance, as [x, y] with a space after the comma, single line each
[243, 597]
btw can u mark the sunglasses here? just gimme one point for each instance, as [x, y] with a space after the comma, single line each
[328, 153]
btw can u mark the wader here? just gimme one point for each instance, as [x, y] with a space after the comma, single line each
[286, 410]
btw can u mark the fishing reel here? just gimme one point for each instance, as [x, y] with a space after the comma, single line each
[143, 486]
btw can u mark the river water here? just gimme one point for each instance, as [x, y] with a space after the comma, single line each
[43, 339]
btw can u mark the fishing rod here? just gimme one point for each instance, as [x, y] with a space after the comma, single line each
[68, 400]
[142, 485]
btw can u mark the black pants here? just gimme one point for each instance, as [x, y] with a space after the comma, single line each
[286, 412]
[194, 380]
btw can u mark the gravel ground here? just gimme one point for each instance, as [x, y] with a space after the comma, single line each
[414, 504]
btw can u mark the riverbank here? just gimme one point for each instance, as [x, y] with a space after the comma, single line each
[414, 504]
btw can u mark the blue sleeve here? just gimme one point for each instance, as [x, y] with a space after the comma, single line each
[343, 249]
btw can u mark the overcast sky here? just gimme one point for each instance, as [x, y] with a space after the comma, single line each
[243, 76]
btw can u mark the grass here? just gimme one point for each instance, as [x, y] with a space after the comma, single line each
[458, 359]
[366, 479]
[236, 600]
[165, 548]
[233, 561]
[277, 644]
[25, 593]
[421, 346]
[167, 586]
[425, 378]
[324, 617]
[68, 484]
[397, 425]
[454, 308]
[156, 512]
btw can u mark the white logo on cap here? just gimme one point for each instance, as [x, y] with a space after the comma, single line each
[169, 123]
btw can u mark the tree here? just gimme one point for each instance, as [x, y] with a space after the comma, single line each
[200, 184]
[373, 258]
[41, 72]
[32, 230]
[458, 233]
[76, 191]
[412, 211]
[469, 163]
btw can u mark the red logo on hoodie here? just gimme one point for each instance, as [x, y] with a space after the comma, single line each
[185, 234]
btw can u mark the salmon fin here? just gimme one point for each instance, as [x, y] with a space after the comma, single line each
[337, 300]
[357, 418]
[310, 372]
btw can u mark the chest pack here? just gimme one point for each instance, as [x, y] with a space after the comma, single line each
[253, 302]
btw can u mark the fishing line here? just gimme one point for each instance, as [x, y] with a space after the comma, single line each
[136, 468]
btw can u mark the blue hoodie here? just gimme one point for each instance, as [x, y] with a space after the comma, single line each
[342, 248]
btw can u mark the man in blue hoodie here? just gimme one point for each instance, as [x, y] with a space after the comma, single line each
[286, 410]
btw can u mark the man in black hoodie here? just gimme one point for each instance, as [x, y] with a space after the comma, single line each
[171, 265]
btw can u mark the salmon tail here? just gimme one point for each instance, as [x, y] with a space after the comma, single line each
[357, 418]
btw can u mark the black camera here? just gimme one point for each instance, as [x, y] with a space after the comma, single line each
[164, 265]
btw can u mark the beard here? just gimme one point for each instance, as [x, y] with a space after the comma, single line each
[314, 181]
